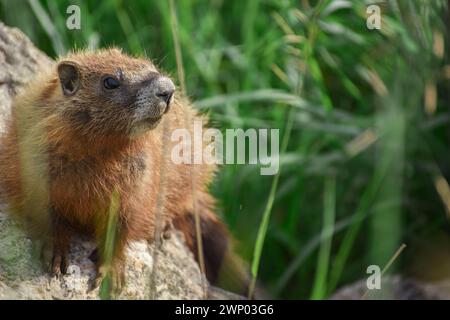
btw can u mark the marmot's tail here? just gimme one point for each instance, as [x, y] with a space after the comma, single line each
[223, 267]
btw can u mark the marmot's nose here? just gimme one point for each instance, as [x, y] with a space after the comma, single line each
[164, 89]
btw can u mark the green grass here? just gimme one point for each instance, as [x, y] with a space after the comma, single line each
[248, 63]
[320, 282]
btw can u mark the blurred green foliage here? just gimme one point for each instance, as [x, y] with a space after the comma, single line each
[370, 137]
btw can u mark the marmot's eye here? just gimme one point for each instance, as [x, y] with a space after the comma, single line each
[111, 83]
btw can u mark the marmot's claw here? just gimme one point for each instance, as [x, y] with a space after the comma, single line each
[167, 231]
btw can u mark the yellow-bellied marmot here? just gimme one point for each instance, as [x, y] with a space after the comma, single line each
[87, 136]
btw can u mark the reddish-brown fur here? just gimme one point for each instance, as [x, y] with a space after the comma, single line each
[60, 172]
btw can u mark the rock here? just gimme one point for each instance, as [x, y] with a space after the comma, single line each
[177, 275]
[19, 61]
[215, 293]
[22, 277]
[396, 288]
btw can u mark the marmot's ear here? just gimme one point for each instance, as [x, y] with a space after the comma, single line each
[69, 76]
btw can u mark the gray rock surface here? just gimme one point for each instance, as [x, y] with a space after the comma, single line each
[19, 61]
[22, 277]
[176, 276]
[395, 288]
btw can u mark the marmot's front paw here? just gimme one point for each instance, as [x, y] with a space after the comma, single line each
[59, 263]
[110, 278]
[54, 259]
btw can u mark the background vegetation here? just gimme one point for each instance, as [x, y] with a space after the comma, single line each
[367, 160]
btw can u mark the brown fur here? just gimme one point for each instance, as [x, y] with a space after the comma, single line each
[62, 159]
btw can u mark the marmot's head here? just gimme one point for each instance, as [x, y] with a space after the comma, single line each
[109, 92]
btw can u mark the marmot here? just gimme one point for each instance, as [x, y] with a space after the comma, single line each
[89, 133]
